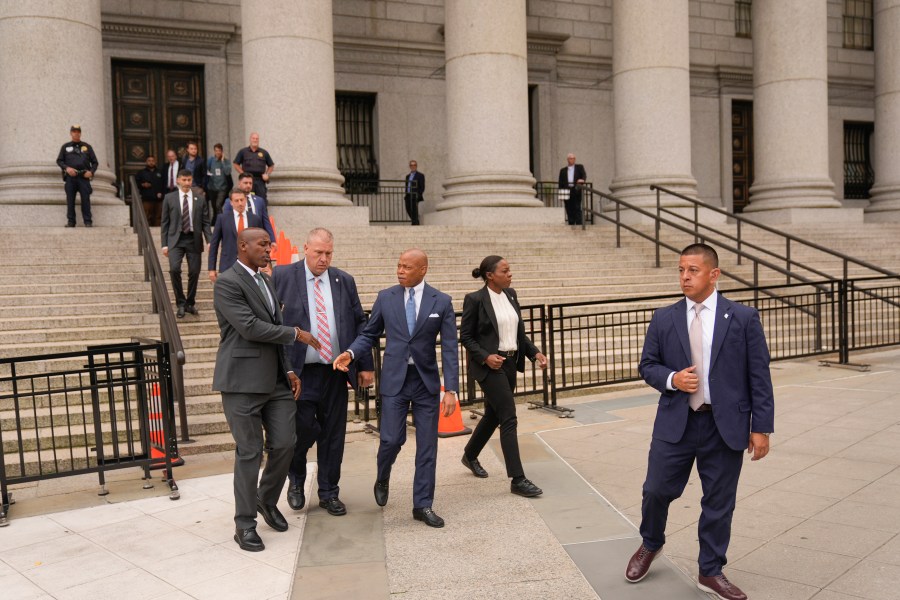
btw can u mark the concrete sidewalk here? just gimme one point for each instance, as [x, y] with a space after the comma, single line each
[818, 518]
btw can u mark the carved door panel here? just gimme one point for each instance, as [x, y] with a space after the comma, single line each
[155, 107]
[741, 153]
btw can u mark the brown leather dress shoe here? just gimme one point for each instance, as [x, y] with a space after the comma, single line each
[639, 564]
[720, 587]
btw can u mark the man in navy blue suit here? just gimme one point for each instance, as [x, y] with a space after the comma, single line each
[256, 205]
[709, 360]
[411, 315]
[225, 234]
[323, 301]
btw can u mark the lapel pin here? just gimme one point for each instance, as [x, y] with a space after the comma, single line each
[726, 315]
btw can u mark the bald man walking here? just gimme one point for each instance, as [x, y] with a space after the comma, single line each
[411, 315]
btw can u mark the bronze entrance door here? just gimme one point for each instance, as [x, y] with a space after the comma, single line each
[741, 153]
[156, 107]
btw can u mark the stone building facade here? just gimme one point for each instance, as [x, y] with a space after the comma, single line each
[784, 109]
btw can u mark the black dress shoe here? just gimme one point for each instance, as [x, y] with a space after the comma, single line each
[334, 506]
[248, 540]
[525, 488]
[272, 516]
[180, 313]
[192, 309]
[473, 465]
[428, 516]
[88, 224]
[381, 492]
[296, 497]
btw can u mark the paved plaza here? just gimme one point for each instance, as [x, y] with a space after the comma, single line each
[818, 518]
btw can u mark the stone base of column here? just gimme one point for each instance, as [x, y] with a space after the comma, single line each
[884, 206]
[796, 193]
[44, 185]
[53, 214]
[293, 187]
[496, 215]
[296, 221]
[489, 190]
[636, 190]
[797, 216]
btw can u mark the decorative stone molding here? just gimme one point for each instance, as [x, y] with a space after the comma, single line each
[123, 29]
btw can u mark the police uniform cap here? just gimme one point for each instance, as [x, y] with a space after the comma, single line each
[75, 127]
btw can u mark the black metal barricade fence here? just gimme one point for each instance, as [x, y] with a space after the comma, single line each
[552, 196]
[385, 198]
[594, 344]
[533, 384]
[108, 407]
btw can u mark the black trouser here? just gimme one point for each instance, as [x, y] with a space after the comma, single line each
[217, 202]
[321, 420]
[259, 186]
[499, 410]
[78, 185]
[184, 247]
[412, 207]
[574, 214]
[247, 415]
[153, 210]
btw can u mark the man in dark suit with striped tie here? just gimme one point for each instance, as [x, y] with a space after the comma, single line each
[322, 300]
[185, 224]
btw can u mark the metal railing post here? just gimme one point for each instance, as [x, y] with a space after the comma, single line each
[843, 327]
[657, 226]
[739, 242]
[787, 259]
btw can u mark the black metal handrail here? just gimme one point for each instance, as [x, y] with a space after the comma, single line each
[385, 198]
[548, 192]
[788, 238]
[168, 328]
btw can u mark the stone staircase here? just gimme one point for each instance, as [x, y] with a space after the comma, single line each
[82, 287]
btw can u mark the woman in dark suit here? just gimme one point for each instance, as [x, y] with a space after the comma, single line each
[494, 335]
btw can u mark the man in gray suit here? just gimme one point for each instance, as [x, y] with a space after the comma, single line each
[258, 391]
[185, 223]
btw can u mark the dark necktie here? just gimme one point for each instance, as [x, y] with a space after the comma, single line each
[185, 215]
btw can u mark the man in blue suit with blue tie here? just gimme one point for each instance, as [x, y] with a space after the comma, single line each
[411, 315]
[709, 360]
[323, 301]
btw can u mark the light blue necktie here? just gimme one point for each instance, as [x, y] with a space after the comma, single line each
[411, 310]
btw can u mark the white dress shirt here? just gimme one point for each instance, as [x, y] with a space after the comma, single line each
[708, 320]
[571, 173]
[507, 320]
[418, 300]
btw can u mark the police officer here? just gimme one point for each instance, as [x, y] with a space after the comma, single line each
[257, 162]
[78, 163]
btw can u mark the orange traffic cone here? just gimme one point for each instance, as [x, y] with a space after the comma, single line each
[452, 425]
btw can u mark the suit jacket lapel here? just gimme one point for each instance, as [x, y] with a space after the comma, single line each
[489, 308]
[724, 308]
[251, 282]
[424, 308]
[300, 274]
[679, 320]
[335, 284]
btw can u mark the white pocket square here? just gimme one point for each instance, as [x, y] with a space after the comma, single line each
[433, 315]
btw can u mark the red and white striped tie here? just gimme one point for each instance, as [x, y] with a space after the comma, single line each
[324, 333]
